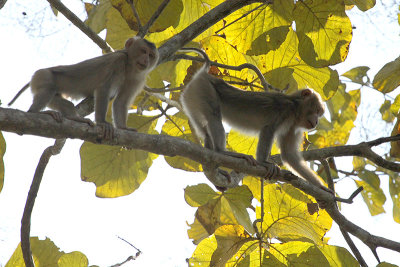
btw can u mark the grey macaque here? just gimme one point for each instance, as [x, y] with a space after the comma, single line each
[208, 101]
[120, 75]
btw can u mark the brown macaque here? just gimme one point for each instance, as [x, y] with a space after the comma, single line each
[208, 101]
[120, 75]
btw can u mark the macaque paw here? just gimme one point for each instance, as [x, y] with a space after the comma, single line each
[80, 119]
[272, 169]
[57, 116]
[107, 130]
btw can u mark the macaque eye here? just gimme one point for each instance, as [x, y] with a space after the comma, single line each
[151, 55]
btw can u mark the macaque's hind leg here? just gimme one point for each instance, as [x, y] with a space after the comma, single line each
[67, 109]
[41, 99]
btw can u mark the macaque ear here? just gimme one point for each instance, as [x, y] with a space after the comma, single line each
[306, 93]
[129, 42]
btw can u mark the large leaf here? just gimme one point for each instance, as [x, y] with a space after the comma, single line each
[193, 10]
[324, 31]
[228, 208]
[266, 25]
[284, 67]
[286, 216]
[387, 79]
[117, 171]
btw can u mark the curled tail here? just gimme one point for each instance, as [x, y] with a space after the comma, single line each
[207, 62]
[19, 93]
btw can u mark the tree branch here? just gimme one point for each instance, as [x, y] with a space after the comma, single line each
[80, 24]
[30, 201]
[20, 122]
[362, 149]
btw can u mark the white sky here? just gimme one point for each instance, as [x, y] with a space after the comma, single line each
[154, 217]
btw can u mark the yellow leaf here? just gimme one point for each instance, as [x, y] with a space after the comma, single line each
[242, 143]
[324, 31]
[117, 171]
[73, 259]
[387, 79]
[178, 125]
[169, 17]
[284, 67]
[117, 30]
[286, 216]
[44, 253]
[259, 26]
[395, 146]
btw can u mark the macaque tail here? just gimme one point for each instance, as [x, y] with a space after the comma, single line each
[207, 62]
[19, 93]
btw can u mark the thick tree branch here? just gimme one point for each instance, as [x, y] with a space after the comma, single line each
[20, 122]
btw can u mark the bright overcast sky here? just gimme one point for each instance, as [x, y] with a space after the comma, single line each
[154, 217]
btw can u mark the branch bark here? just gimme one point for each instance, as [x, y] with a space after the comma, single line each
[20, 122]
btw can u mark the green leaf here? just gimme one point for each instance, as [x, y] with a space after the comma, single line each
[372, 194]
[178, 125]
[386, 111]
[44, 253]
[73, 259]
[198, 195]
[299, 254]
[362, 5]
[286, 216]
[394, 190]
[387, 79]
[357, 75]
[395, 107]
[117, 171]
[358, 164]
[324, 31]
[338, 256]
[2, 152]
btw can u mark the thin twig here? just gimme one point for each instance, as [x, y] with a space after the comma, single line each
[264, 83]
[135, 13]
[345, 234]
[153, 18]
[80, 24]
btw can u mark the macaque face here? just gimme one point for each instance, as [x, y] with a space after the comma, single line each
[142, 54]
[312, 110]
